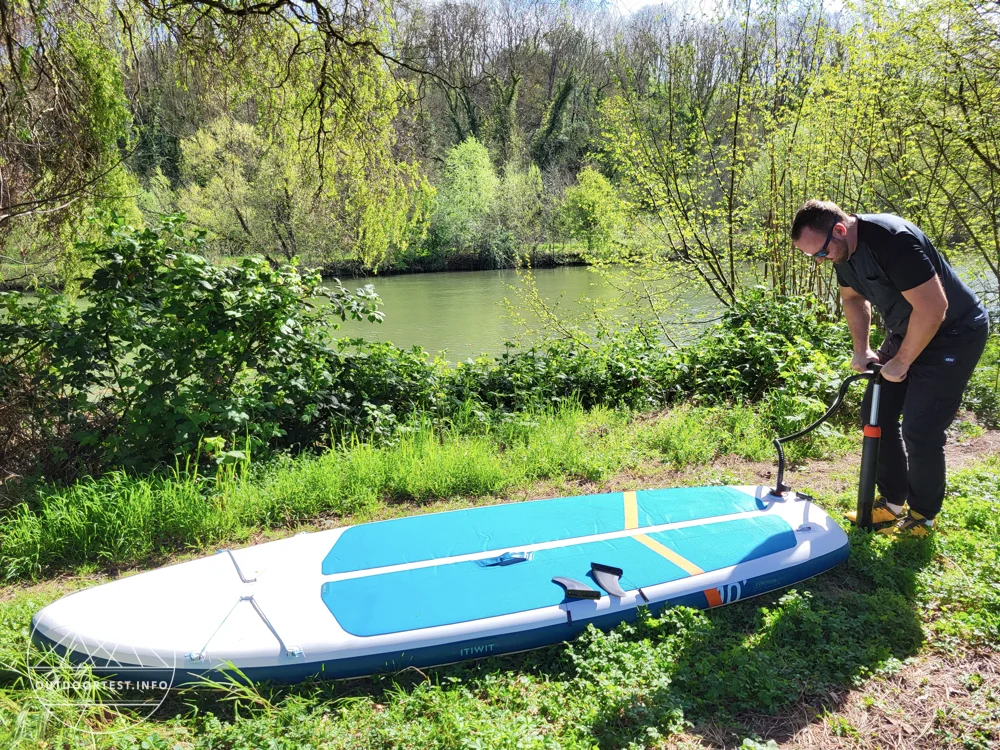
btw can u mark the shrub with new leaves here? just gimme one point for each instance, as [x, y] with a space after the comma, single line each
[166, 354]
[766, 342]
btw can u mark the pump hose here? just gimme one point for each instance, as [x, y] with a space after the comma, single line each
[779, 486]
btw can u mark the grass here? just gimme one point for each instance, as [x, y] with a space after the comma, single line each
[123, 520]
[642, 685]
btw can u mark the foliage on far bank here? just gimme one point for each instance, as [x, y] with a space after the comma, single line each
[258, 191]
[481, 219]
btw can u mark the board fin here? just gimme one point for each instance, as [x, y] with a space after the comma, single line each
[575, 589]
[607, 577]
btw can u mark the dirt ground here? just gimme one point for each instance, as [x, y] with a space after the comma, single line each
[931, 702]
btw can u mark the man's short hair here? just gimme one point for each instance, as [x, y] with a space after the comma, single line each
[819, 216]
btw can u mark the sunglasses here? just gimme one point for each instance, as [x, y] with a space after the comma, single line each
[823, 252]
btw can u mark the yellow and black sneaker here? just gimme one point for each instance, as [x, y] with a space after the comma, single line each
[912, 524]
[881, 513]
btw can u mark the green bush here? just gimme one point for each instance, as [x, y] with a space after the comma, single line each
[768, 348]
[767, 341]
[696, 435]
[626, 370]
[165, 355]
[465, 197]
[592, 212]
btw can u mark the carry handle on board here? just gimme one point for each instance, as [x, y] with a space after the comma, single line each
[869, 451]
[507, 558]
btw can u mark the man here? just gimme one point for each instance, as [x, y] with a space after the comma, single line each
[936, 330]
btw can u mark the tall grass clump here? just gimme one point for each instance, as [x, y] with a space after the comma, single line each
[695, 435]
[123, 519]
[116, 518]
[571, 442]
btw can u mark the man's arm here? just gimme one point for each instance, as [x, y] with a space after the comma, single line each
[858, 313]
[929, 307]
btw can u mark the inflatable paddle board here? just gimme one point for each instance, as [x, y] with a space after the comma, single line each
[443, 587]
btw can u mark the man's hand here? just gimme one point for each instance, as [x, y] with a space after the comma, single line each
[861, 359]
[895, 370]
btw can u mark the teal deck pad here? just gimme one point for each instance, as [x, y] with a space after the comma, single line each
[691, 503]
[463, 591]
[719, 545]
[461, 532]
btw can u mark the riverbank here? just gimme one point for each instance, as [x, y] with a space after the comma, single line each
[563, 255]
[552, 256]
[122, 520]
[811, 667]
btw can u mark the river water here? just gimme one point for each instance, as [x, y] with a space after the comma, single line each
[463, 314]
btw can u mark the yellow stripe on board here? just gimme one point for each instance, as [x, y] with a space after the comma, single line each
[631, 511]
[689, 567]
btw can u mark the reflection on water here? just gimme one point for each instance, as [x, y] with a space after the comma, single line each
[463, 312]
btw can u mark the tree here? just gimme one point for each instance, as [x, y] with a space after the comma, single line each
[726, 128]
[956, 129]
[591, 211]
[465, 197]
[516, 215]
[63, 117]
[313, 78]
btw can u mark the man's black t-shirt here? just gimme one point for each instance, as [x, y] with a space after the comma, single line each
[894, 256]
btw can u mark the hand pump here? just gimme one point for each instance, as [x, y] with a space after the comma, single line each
[869, 452]
[869, 449]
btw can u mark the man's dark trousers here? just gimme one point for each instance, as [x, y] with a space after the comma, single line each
[928, 399]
